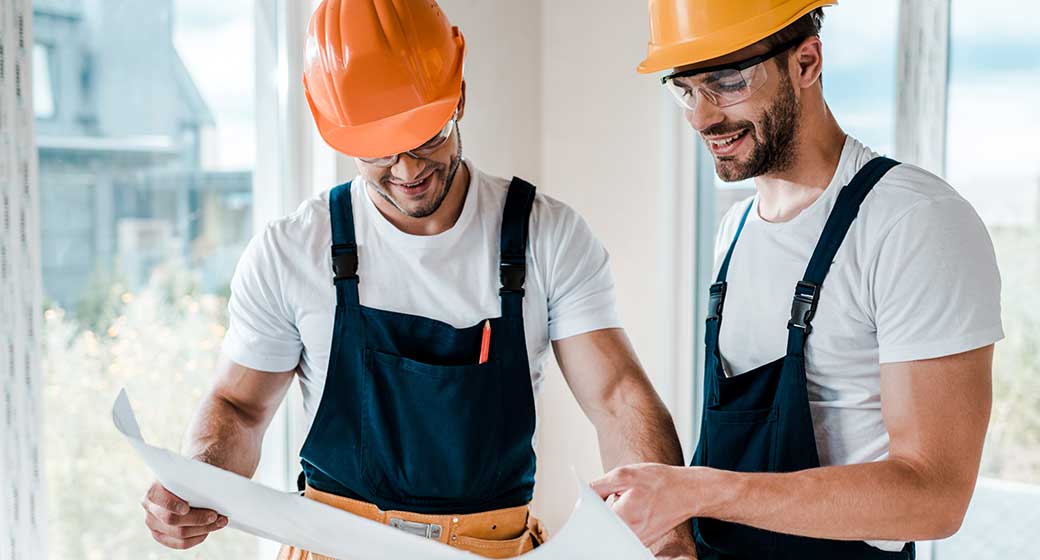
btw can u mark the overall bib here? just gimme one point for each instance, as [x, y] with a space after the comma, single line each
[411, 430]
[760, 421]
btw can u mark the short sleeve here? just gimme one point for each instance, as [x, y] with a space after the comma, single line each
[262, 334]
[936, 286]
[580, 285]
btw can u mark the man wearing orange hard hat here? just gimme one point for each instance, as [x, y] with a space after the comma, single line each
[416, 305]
[858, 428]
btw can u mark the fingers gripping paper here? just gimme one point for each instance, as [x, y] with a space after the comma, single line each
[592, 532]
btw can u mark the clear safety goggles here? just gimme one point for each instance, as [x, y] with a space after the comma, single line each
[423, 151]
[726, 84]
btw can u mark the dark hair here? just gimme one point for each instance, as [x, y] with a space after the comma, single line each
[808, 25]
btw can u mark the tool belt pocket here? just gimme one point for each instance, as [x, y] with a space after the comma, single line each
[532, 537]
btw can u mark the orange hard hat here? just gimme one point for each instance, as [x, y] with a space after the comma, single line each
[382, 76]
[689, 31]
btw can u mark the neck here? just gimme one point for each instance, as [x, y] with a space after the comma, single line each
[440, 221]
[783, 195]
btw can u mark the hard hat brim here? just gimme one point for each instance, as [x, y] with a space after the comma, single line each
[391, 135]
[724, 41]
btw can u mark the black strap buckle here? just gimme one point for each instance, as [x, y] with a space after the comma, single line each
[716, 298]
[344, 262]
[512, 277]
[803, 308]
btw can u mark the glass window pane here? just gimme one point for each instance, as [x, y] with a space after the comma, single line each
[146, 176]
[43, 92]
[992, 160]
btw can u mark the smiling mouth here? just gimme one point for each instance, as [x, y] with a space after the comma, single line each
[416, 187]
[727, 140]
[724, 147]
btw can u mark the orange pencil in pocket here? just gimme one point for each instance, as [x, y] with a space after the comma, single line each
[485, 343]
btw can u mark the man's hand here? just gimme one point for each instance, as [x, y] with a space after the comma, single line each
[174, 523]
[677, 545]
[226, 431]
[650, 499]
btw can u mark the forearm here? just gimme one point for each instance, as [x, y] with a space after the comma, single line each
[225, 436]
[637, 429]
[632, 424]
[642, 431]
[886, 500]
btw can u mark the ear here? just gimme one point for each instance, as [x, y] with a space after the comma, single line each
[462, 103]
[806, 63]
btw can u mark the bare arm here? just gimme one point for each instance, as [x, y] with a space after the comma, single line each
[632, 423]
[226, 431]
[936, 412]
[228, 426]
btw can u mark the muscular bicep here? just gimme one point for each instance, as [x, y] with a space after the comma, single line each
[255, 394]
[936, 412]
[601, 369]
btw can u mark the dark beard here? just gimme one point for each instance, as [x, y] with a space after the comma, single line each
[774, 152]
[448, 179]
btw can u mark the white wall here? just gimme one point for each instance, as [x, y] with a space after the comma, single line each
[609, 150]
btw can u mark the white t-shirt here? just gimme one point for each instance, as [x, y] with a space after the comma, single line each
[915, 278]
[283, 301]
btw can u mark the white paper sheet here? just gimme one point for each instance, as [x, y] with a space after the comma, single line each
[593, 532]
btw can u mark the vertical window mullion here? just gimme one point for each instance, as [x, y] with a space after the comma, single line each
[923, 69]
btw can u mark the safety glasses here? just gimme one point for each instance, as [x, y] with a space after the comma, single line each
[427, 149]
[726, 84]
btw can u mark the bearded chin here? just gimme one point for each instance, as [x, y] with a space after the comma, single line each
[773, 137]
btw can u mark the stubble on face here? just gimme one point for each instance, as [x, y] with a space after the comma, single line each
[772, 137]
[443, 175]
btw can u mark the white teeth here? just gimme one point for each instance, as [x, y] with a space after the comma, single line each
[415, 184]
[727, 141]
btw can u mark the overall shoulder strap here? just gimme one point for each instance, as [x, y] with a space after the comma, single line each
[344, 245]
[846, 208]
[516, 218]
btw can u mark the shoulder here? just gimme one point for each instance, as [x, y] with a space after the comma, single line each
[312, 215]
[291, 237]
[549, 216]
[911, 197]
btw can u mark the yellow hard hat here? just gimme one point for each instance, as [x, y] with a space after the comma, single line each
[689, 31]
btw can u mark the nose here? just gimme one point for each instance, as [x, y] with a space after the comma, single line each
[407, 168]
[704, 114]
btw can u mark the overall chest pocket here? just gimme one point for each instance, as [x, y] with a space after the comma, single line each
[744, 441]
[431, 433]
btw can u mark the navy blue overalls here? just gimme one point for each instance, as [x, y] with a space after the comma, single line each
[760, 421]
[409, 420]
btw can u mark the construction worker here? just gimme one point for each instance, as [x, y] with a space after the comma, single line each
[416, 305]
[858, 428]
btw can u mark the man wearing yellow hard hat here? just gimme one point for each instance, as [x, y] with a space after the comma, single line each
[416, 305]
[858, 428]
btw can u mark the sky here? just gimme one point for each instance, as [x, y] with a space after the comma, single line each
[216, 41]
